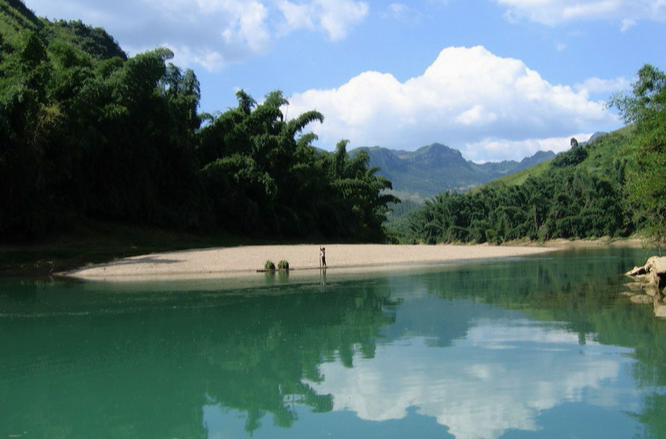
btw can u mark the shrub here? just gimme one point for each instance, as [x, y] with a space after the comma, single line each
[269, 265]
[283, 265]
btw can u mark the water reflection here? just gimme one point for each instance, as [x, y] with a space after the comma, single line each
[137, 364]
[482, 351]
[501, 376]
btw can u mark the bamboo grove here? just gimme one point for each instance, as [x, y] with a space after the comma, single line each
[84, 134]
[565, 202]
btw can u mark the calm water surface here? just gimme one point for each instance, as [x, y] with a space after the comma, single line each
[541, 347]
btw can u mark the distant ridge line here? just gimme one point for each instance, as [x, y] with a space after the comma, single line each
[435, 168]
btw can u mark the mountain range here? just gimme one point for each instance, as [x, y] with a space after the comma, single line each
[436, 168]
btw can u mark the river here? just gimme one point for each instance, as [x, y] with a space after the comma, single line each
[535, 347]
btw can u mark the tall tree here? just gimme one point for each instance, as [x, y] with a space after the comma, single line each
[646, 107]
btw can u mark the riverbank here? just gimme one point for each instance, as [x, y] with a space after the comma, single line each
[91, 242]
[96, 242]
[300, 257]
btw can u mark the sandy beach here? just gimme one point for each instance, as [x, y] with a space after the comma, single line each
[305, 256]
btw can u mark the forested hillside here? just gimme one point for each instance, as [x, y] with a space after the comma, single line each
[87, 133]
[16, 18]
[613, 186]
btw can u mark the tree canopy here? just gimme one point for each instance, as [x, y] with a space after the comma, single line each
[121, 139]
[646, 107]
[86, 132]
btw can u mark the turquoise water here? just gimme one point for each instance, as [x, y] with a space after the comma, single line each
[539, 347]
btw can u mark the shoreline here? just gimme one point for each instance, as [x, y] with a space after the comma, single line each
[243, 260]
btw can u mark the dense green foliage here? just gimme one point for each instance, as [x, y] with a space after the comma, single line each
[16, 18]
[646, 107]
[568, 201]
[94, 41]
[87, 133]
[613, 186]
[260, 178]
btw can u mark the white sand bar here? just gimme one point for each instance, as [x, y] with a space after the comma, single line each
[304, 256]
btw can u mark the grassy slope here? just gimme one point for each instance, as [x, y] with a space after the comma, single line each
[601, 154]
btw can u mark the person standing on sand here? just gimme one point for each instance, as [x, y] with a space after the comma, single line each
[322, 254]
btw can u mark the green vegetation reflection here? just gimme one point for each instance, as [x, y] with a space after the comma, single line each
[144, 360]
[144, 365]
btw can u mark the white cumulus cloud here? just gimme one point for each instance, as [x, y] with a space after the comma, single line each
[210, 33]
[554, 12]
[468, 98]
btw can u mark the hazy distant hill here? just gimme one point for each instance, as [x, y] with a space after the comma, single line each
[436, 168]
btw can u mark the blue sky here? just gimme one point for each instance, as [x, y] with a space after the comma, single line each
[496, 79]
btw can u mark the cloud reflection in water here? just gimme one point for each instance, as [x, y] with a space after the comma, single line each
[501, 376]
